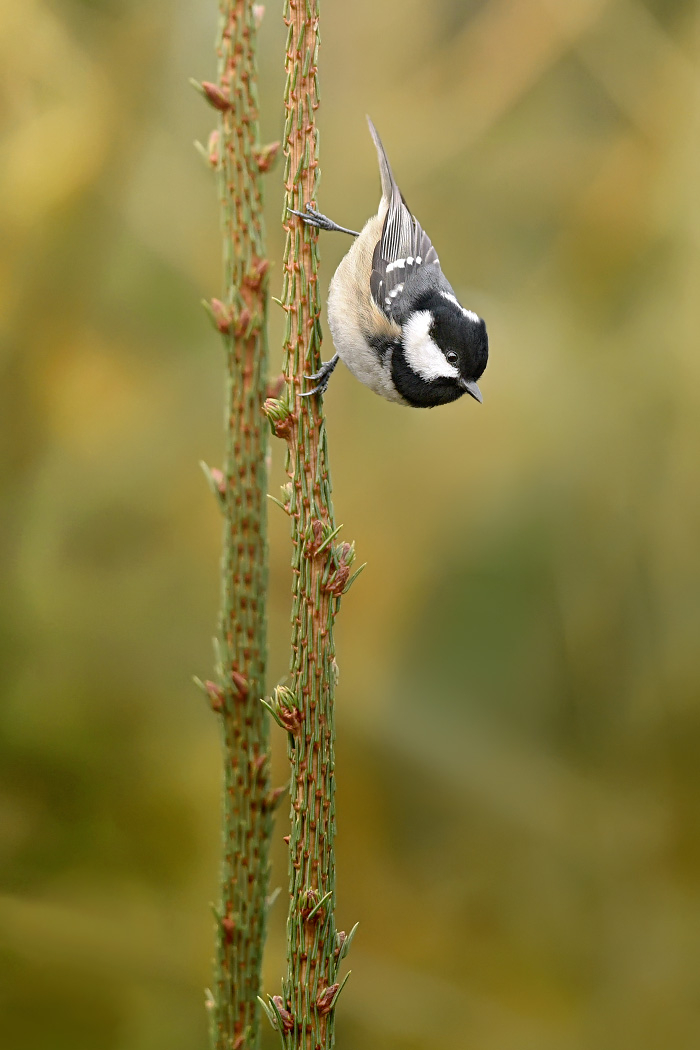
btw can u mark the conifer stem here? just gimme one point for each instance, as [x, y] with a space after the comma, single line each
[304, 1014]
[235, 154]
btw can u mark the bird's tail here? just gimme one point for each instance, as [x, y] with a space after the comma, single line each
[388, 180]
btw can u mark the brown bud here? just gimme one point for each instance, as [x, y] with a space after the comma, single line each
[240, 683]
[324, 1003]
[316, 538]
[283, 430]
[284, 1014]
[266, 156]
[344, 553]
[336, 583]
[243, 321]
[222, 315]
[282, 706]
[309, 903]
[256, 273]
[217, 476]
[216, 696]
[281, 419]
[290, 718]
[228, 926]
[215, 97]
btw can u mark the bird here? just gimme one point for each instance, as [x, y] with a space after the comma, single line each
[395, 320]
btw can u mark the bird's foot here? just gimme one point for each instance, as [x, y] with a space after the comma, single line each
[324, 374]
[321, 222]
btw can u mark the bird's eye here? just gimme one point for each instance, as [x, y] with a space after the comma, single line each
[451, 357]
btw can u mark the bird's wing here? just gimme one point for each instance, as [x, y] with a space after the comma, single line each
[405, 263]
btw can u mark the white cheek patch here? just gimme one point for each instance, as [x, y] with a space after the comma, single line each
[467, 313]
[422, 355]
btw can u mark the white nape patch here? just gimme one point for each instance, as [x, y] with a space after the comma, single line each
[467, 313]
[423, 355]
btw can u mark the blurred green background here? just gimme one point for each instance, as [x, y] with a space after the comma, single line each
[518, 713]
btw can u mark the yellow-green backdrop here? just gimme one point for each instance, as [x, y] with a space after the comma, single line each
[518, 711]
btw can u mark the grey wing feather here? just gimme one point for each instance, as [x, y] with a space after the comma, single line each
[405, 263]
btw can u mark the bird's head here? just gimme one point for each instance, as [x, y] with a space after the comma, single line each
[446, 347]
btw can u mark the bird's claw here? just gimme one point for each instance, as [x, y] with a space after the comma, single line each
[321, 387]
[324, 374]
[311, 217]
[304, 216]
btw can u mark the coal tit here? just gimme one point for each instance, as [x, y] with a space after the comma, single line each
[395, 320]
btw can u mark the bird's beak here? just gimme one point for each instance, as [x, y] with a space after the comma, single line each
[470, 386]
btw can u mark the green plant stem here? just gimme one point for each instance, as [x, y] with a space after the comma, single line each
[304, 1014]
[242, 320]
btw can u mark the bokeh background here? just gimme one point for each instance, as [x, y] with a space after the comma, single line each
[519, 709]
